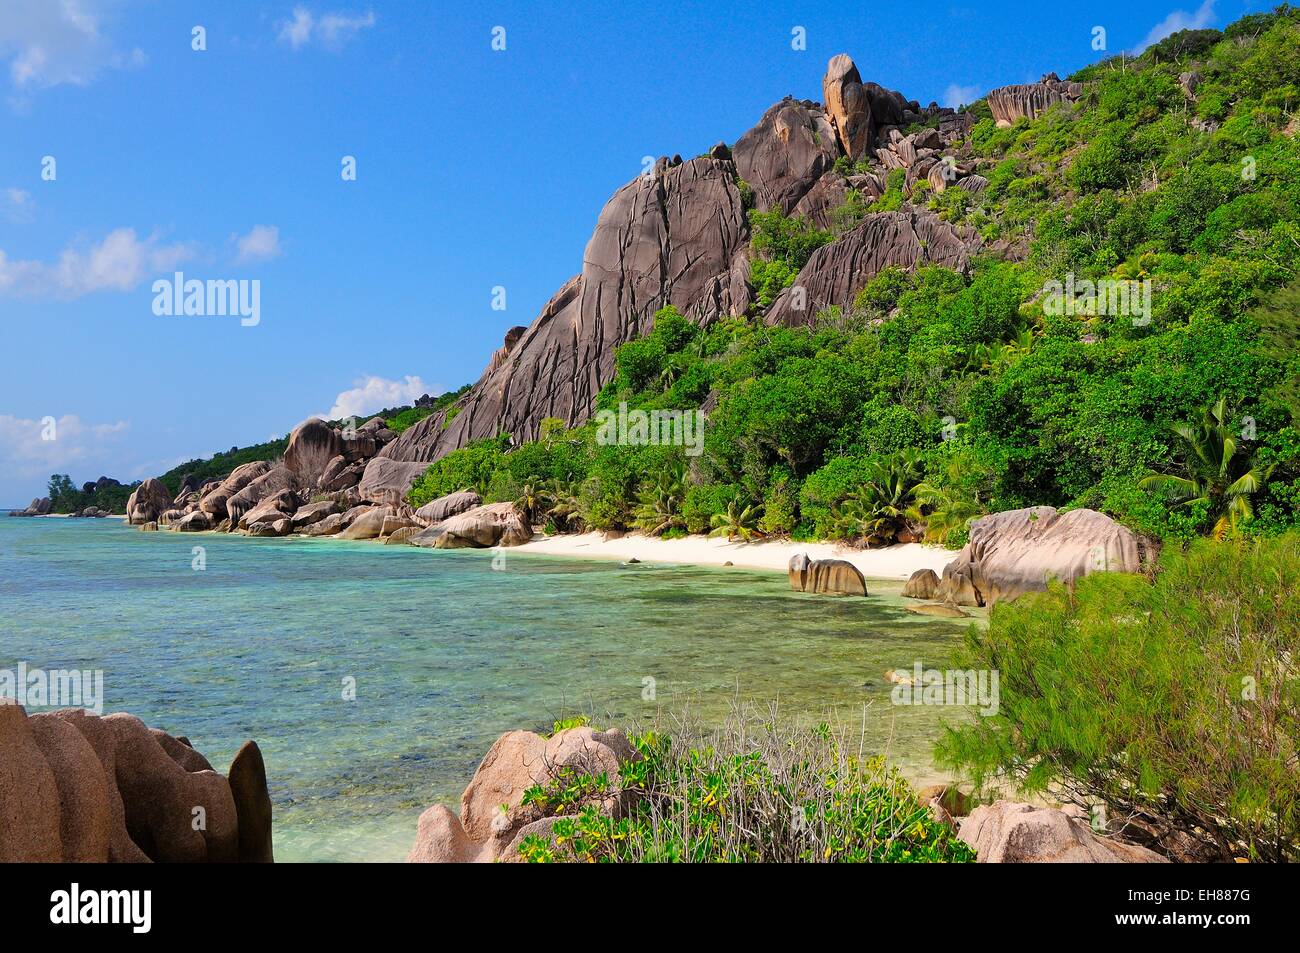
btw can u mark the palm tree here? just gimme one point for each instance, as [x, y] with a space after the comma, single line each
[561, 505]
[738, 522]
[954, 502]
[882, 506]
[529, 503]
[659, 506]
[1216, 471]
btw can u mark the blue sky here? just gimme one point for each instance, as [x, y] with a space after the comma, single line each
[476, 168]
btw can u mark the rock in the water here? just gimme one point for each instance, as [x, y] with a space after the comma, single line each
[369, 525]
[247, 777]
[828, 576]
[1007, 832]
[940, 610]
[444, 507]
[315, 512]
[196, 522]
[1018, 551]
[402, 536]
[922, 584]
[148, 501]
[270, 485]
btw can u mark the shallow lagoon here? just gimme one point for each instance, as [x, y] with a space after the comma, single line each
[446, 652]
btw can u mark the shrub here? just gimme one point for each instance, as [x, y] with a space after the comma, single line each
[1174, 703]
[757, 790]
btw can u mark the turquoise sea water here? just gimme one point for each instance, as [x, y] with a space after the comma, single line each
[446, 653]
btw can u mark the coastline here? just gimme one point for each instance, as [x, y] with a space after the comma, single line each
[892, 563]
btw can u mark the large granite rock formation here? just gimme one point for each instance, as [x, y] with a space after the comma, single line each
[1030, 100]
[493, 818]
[494, 524]
[40, 506]
[837, 272]
[668, 237]
[78, 787]
[1019, 551]
[149, 500]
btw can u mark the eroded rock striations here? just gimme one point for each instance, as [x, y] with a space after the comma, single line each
[75, 787]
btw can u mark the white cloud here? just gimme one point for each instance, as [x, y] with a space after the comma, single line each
[375, 393]
[25, 454]
[118, 263]
[52, 42]
[19, 206]
[330, 30]
[955, 95]
[262, 243]
[1179, 20]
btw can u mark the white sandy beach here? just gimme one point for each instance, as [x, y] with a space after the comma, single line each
[892, 562]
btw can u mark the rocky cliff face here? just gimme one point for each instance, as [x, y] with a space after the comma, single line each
[677, 235]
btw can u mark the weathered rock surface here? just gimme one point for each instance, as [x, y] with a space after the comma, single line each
[1018, 551]
[1030, 100]
[312, 445]
[149, 500]
[435, 511]
[668, 237]
[1007, 832]
[368, 525]
[493, 524]
[78, 787]
[827, 576]
[492, 815]
[247, 777]
[922, 584]
[386, 480]
[847, 106]
[837, 272]
[37, 507]
[214, 501]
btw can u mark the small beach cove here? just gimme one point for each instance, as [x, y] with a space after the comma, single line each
[447, 652]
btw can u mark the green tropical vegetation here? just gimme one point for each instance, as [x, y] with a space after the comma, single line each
[994, 400]
[66, 497]
[760, 788]
[1173, 703]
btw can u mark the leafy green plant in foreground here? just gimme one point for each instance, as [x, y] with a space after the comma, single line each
[1175, 703]
[759, 789]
